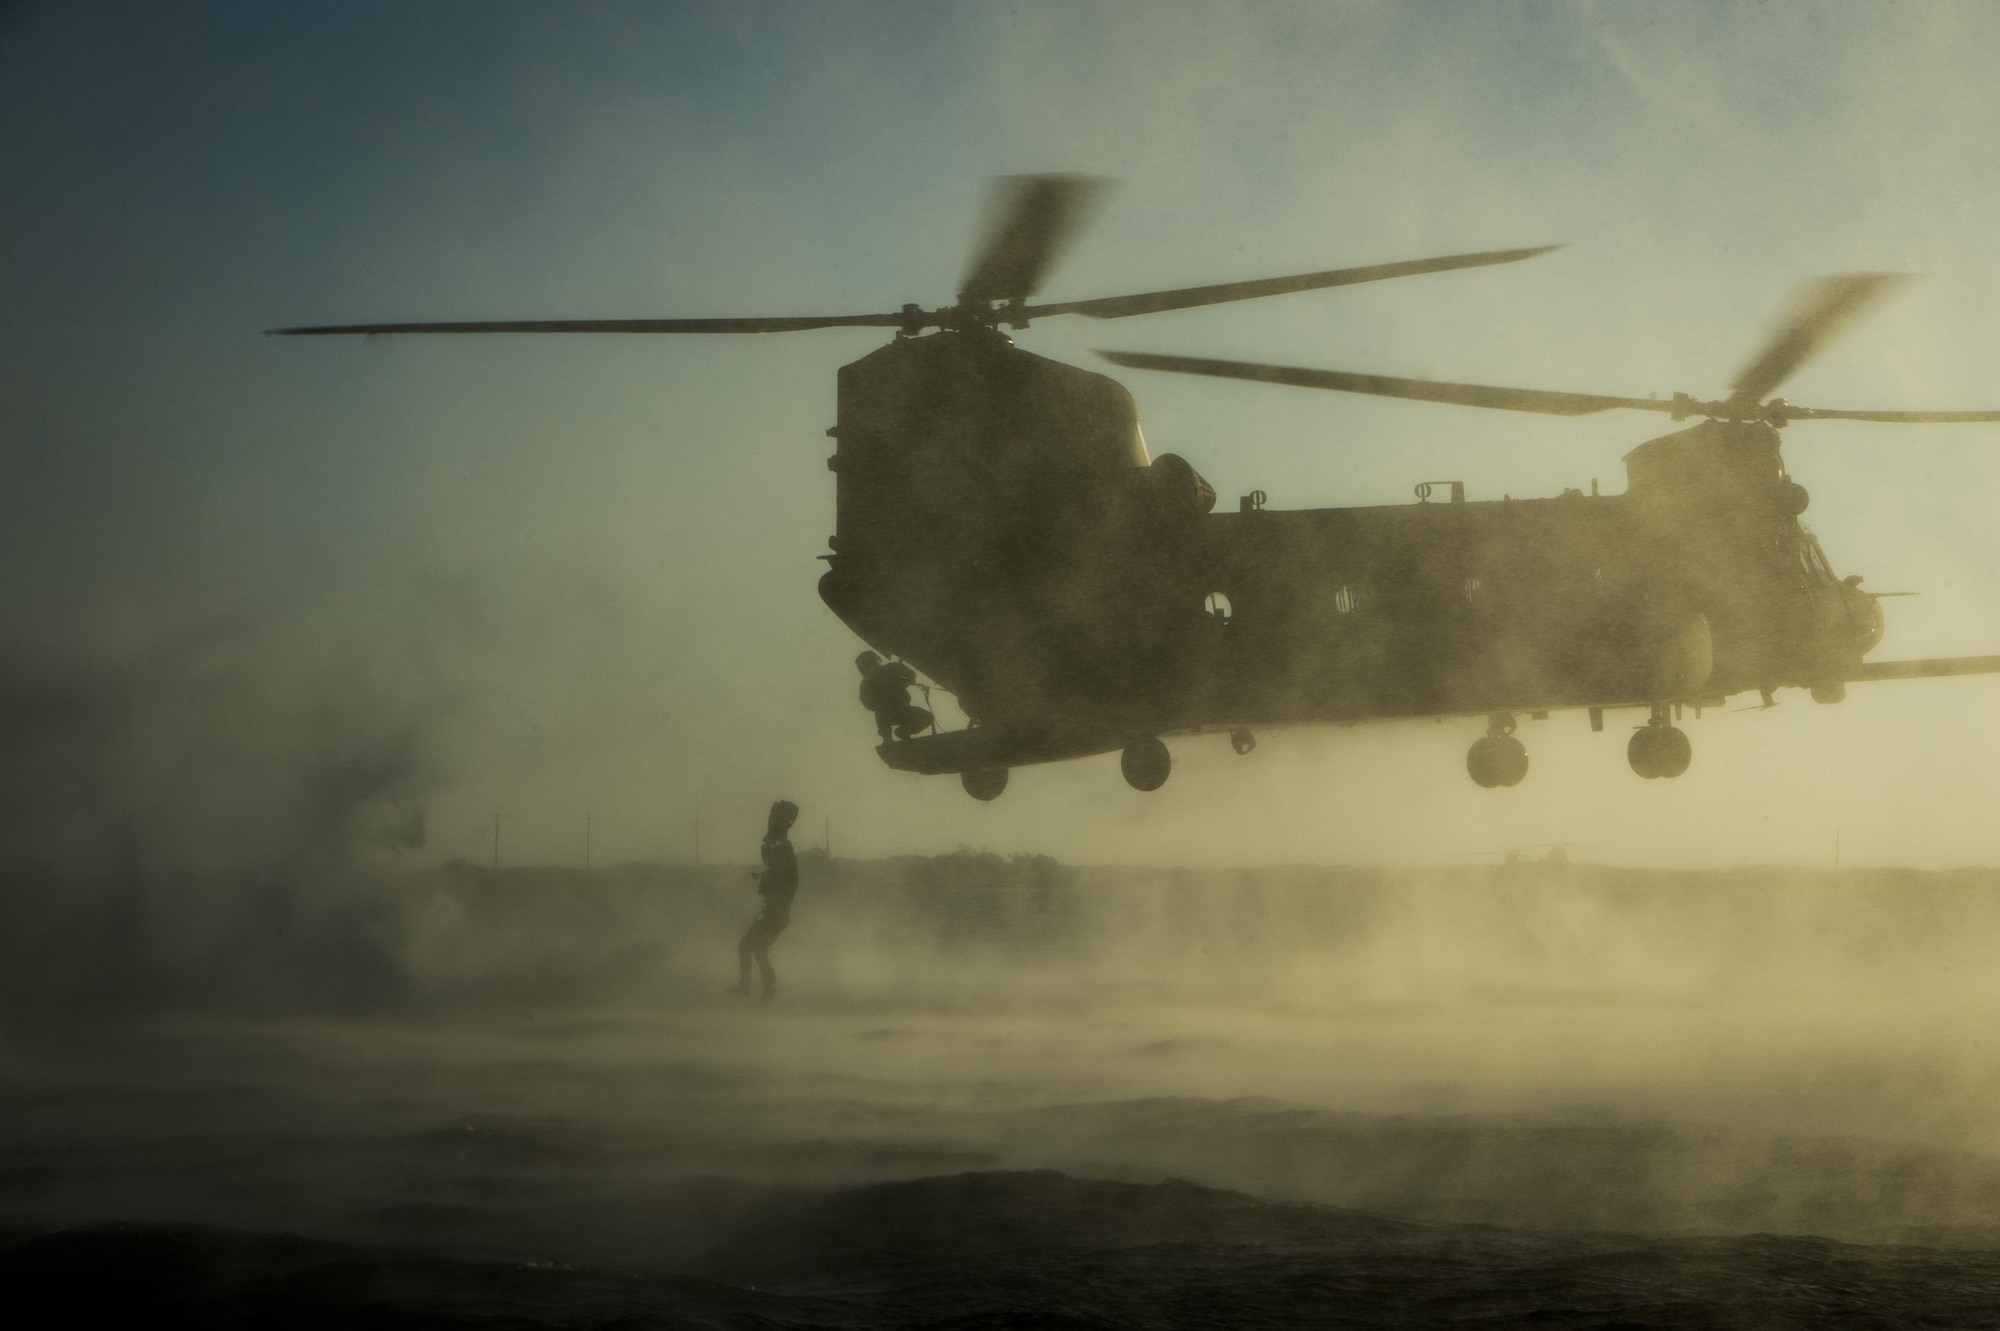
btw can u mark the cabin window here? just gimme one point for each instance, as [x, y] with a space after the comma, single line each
[1217, 605]
[1349, 599]
[1472, 586]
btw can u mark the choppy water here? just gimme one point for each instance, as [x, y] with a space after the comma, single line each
[1018, 1249]
[1612, 1121]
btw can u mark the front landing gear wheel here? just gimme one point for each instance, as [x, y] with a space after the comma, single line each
[1659, 751]
[984, 784]
[1497, 760]
[1146, 764]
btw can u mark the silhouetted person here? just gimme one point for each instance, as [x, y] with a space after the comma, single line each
[885, 691]
[776, 883]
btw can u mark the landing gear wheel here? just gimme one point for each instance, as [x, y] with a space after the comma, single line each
[1146, 764]
[1659, 751]
[985, 783]
[1497, 760]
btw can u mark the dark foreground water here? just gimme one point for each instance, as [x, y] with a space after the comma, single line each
[1014, 1249]
[769, 1168]
[1490, 1102]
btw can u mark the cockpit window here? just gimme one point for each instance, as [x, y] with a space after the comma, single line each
[1814, 560]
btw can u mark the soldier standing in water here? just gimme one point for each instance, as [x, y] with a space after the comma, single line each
[777, 883]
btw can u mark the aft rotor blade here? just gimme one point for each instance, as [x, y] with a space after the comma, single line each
[1031, 221]
[1382, 385]
[1894, 417]
[1936, 668]
[1154, 302]
[1822, 311]
[610, 326]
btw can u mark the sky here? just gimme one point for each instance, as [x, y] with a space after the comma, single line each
[570, 580]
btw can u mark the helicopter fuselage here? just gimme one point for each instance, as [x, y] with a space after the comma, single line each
[1002, 529]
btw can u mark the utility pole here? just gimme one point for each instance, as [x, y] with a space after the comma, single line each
[586, 841]
[826, 837]
[697, 841]
[496, 841]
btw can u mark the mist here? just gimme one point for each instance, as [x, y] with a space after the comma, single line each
[387, 726]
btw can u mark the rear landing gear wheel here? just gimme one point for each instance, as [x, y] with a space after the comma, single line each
[1497, 760]
[984, 784]
[1659, 751]
[1146, 764]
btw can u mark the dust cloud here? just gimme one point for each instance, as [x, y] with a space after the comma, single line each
[194, 809]
[283, 626]
[1571, 1047]
[241, 994]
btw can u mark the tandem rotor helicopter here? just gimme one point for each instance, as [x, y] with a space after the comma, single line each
[1001, 529]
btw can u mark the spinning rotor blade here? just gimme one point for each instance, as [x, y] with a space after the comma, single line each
[1154, 302]
[611, 326]
[1894, 417]
[1936, 668]
[1383, 385]
[1032, 220]
[1824, 309]
[1018, 229]
[1777, 412]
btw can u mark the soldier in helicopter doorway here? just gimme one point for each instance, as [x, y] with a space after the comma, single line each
[885, 691]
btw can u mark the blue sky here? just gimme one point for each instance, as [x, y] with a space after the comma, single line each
[582, 569]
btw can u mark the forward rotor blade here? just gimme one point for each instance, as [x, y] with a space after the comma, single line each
[1903, 417]
[1382, 385]
[1822, 310]
[1031, 221]
[610, 326]
[1153, 302]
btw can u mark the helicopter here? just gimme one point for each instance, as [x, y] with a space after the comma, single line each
[1001, 528]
